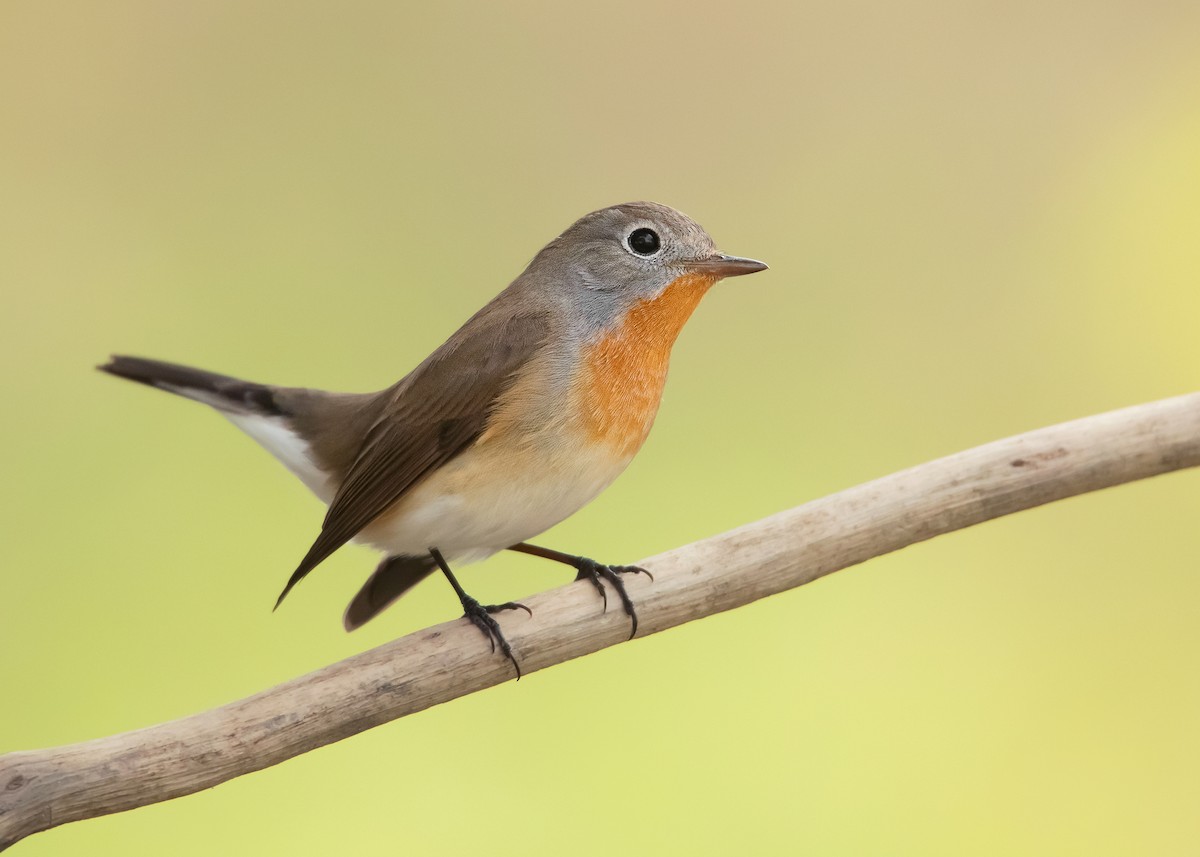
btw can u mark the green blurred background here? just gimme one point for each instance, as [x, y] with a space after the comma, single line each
[981, 218]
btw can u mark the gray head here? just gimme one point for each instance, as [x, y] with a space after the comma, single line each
[617, 256]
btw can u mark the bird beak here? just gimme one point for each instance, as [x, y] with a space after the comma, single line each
[720, 265]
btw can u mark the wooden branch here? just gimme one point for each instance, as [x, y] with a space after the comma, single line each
[40, 789]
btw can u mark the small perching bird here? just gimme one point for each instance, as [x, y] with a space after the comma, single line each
[522, 417]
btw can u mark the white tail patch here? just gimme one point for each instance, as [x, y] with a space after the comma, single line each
[196, 394]
[274, 435]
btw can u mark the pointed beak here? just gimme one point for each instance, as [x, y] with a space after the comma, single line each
[720, 265]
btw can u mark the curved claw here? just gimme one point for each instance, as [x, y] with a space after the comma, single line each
[481, 618]
[591, 575]
[614, 577]
[636, 569]
[508, 605]
[594, 571]
[487, 632]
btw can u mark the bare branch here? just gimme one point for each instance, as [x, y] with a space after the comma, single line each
[40, 789]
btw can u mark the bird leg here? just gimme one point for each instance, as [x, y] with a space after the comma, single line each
[595, 572]
[480, 615]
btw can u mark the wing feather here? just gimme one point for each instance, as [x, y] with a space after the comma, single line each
[437, 412]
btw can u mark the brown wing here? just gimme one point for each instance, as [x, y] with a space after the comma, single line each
[436, 412]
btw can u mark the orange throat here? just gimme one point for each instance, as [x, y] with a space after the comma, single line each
[623, 372]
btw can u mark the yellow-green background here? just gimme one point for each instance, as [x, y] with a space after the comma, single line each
[981, 218]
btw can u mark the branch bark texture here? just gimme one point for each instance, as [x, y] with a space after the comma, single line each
[40, 789]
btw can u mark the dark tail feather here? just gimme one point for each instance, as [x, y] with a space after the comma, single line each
[220, 391]
[394, 576]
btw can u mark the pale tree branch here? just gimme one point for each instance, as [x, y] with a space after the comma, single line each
[40, 789]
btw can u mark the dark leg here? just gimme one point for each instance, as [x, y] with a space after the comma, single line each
[481, 615]
[589, 569]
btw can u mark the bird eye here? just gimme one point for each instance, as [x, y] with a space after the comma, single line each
[643, 241]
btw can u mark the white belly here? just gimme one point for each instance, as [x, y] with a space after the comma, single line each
[488, 499]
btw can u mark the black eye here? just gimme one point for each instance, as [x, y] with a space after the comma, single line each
[643, 241]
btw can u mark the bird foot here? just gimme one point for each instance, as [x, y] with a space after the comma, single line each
[480, 615]
[596, 572]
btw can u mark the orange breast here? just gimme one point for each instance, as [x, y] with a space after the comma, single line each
[624, 371]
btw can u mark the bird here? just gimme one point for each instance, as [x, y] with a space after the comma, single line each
[518, 420]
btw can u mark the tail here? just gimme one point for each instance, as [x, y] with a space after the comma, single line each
[307, 431]
[276, 417]
[229, 395]
[395, 576]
